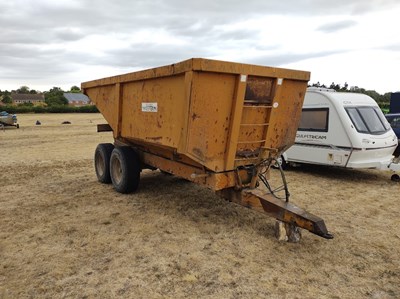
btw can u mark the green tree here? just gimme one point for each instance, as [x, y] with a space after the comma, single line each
[345, 87]
[6, 99]
[382, 100]
[75, 89]
[334, 86]
[55, 97]
[386, 97]
[23, 89]
[373, 94]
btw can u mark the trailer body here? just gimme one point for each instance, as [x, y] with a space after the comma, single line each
[212, 122]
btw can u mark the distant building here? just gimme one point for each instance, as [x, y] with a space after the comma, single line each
[77, 99]
[23, 98]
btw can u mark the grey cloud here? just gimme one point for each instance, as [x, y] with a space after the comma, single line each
[20, 61]
[38, 37]
[105, 14]
[26, 26]
[237, 8]
[238, 34]
[150, 55]
[286, 58]
[177, 16]
[68, 34]
[23, 69]
[187, 28]
[392, 47]
[336, 26]
[13, 36]
[31, 52]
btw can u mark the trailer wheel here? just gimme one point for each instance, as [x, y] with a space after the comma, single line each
[102, 162]
[125, 169]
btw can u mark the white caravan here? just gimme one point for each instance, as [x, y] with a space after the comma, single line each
[343, 129]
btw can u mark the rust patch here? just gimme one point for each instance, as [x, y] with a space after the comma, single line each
[194, 116]
[199, 153]
[154, 138]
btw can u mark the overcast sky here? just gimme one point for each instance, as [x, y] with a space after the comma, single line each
[46, 43]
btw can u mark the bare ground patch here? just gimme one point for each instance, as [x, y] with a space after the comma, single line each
[64, 235]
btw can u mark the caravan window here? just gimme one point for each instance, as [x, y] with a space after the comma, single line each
[367, 120]
[314, 119]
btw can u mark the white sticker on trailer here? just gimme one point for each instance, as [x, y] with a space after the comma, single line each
[149, 107]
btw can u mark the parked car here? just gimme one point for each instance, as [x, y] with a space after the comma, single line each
[7, 119]
[394, 120]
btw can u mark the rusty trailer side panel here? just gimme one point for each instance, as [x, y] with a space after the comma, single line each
[219, 115]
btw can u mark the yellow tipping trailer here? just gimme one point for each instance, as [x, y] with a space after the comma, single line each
[216, 123]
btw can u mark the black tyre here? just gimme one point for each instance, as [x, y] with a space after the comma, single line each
[102, 162]
[395, 178]
[125, 169]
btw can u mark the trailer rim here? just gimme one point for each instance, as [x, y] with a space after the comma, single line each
[125, 169]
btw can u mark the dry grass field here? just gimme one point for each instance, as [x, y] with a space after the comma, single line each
[64, 235]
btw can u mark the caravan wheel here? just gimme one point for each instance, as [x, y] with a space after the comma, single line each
[395, 178]
[281, 160]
